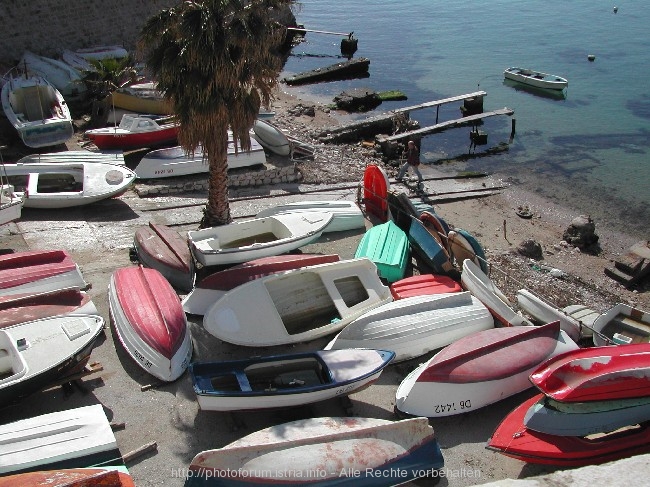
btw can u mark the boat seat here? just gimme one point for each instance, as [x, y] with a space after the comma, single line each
[33, 107]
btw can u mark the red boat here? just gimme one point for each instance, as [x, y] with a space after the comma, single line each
[163, 249]
[208, 290]
[38, 271]
[70, 477]
[18, 308]
[149, 321]
[375, 191]
[513, 439]
[423, 284]
[135, 132]
[596, 374]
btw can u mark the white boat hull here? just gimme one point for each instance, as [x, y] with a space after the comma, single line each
[64, 77]
[297, 306]
[414, 326]
[346, 215]
[35, 443]
[475, 281]
[63, 185]
[271, 138]
[174, 161]
[252, 239]
[545, 313]
[11, 205]
[536, 78]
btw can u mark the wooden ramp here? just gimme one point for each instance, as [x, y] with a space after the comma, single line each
[633, 267]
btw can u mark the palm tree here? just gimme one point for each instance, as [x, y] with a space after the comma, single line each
[217, 62]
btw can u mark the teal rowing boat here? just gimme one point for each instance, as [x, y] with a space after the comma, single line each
[387, 246]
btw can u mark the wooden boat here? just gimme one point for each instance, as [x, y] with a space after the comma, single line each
[63, 185]
[513, 439]
[135, 132]
[11, 205]
[150, 322]
[622, 324]
[19, 308]
[429, 248]
[141, 98]
[37, 110]
[414, 326]
[480, 285]
[544, 312]
[174, 161]
[36, 271]
[480, 369]
[36, 353]
[246, 240]
[536, 78]
[208, 290]
[587, 418]
[297, 306]
[68, 80]
[71, 477]
[437, 227]
[76, 156]
[462, 245]
[315, 451]
[346, 215]
[375, 191]
[352, 68]
[162, 248]
[422, 284]
[271, 138]
[285, 380]
[388, 247]
[99, 53]
[72, 438]
[596, 374]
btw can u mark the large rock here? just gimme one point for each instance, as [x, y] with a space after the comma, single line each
[530, 248]
[357, 100]
[581, 233]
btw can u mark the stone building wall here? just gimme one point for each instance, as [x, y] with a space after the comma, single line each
[47, 27]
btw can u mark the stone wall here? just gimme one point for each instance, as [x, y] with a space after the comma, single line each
[47, 27]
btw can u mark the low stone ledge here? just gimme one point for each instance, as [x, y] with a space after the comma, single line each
[199, 182]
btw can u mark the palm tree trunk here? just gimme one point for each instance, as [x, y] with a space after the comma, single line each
[217, 210]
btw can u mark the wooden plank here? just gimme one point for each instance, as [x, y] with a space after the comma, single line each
[445, 125]
[436, 103]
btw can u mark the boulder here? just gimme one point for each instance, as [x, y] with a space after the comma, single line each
[530, 248]
[357, 100]
[581, 233]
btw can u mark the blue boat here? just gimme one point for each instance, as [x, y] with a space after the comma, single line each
[387, 246]
[476, 247]
[323, 452]
[428, 248]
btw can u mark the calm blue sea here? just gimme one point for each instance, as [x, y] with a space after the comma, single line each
[588, 151]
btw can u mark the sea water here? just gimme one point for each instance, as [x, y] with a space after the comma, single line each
[586, 148]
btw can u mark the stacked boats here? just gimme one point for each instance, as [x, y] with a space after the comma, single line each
[594, 407]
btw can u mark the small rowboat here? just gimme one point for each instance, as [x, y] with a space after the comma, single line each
[72, 438]
[428, 248]
[297, 306]
[480, 369]
[585, 418]
[622, 324]
[543, 312]
[321, 452]
[346, 215]
[414, 326]
[512, 438]
[423, 284]
[141, 98]
[135, 132]
[387, 246]
[285, 380]
[246, 240]
[596, 374]
[163, 249]
[208, 290]
[271, 138]
[18, 308]
[480, 285]
[375, 191]
[150, 322]
[463, 245]
[536, 78]
[71, 477]
[64, 77]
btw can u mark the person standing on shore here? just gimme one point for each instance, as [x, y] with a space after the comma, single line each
[412, 161]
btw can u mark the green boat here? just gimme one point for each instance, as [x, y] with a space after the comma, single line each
[387, 246]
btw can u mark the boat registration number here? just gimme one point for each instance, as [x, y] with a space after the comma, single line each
[447, 408]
